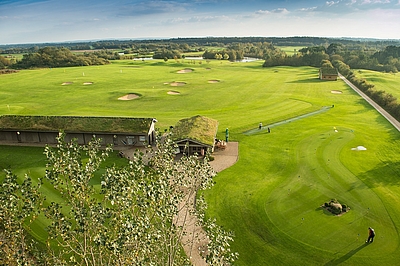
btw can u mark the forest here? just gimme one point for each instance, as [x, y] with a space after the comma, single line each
[379, 55]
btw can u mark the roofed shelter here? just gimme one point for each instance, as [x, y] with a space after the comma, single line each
[195, 135]
[328, 73]
[45, 129]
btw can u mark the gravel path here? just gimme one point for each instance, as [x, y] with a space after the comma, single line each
[225, 158]
[195, 241]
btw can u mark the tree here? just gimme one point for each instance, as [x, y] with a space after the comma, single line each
[326, 64]
[4, 62]
[131, 215]
[218, 56]
[20, 204]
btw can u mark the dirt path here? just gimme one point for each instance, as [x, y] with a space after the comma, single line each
[195, 241]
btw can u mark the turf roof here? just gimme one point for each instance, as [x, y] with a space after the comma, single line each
[197, 128]
[76, 124]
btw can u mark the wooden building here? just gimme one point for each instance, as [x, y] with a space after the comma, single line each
[195, 135]
[45, 129]
[328, 73]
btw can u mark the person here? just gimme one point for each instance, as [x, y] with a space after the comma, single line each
[260, 125]
[371, 235]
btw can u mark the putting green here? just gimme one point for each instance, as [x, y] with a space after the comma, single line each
[294, 206]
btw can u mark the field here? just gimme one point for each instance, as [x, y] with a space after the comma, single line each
[290, 50]
[271, 198]
[388, 82]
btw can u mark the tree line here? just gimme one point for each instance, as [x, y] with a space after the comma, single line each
[62, 57]
[384, 99]
[386, 60]
[200, 42]
[344, 60]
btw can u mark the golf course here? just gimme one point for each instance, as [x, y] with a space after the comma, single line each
[325, 142]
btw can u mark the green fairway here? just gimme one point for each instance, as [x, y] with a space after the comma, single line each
[272, 197]
[389, 82]
[290, 50]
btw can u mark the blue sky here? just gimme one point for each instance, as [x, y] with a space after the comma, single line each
[37, 21]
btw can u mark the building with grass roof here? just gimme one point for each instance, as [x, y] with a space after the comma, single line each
[328, 73]
[44, 129]
[195, 134]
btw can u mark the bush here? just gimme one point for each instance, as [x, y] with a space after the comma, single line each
[335, 207]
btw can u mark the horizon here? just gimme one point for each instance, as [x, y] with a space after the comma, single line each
[197, 37]
[55, 21]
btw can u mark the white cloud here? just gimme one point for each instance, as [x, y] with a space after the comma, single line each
[265, 12]
[199, 19]
[331, 3]
[280, 11]
[308, 9]
[274, 11]
[366, 2]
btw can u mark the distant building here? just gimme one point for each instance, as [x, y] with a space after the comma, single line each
[328, 73]
[45, 129]
[195, 135]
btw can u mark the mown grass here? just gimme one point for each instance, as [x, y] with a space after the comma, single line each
[388, 82]
[271, 197]
[290, 50]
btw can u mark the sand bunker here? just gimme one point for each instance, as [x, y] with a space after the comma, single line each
[359, 148]
[173, 92]
[336, 92]
[186, 70]
[87, 83]
[67, 83]
[128, 97]
[213, 81]
[176, 84]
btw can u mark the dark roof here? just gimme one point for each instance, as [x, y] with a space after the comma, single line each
[329, 71]
[197, 128]
[76, 124]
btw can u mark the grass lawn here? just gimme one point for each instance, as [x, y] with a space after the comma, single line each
[388, 82]
[290, 50]
[271, 198]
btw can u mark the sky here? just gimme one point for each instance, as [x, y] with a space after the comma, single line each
[43, 21]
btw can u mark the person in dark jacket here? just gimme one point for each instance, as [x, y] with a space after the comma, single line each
[371, 235]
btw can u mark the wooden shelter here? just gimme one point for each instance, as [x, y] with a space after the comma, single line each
[45, 129]
[195, 135]
[328, 73]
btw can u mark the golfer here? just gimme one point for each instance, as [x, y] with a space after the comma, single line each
[371, 235]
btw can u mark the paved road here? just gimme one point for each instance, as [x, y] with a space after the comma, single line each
[385, 114]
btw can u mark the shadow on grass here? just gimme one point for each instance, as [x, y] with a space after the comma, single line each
[325, 211]
[384, 174]
[346, 256]
[309, 80]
